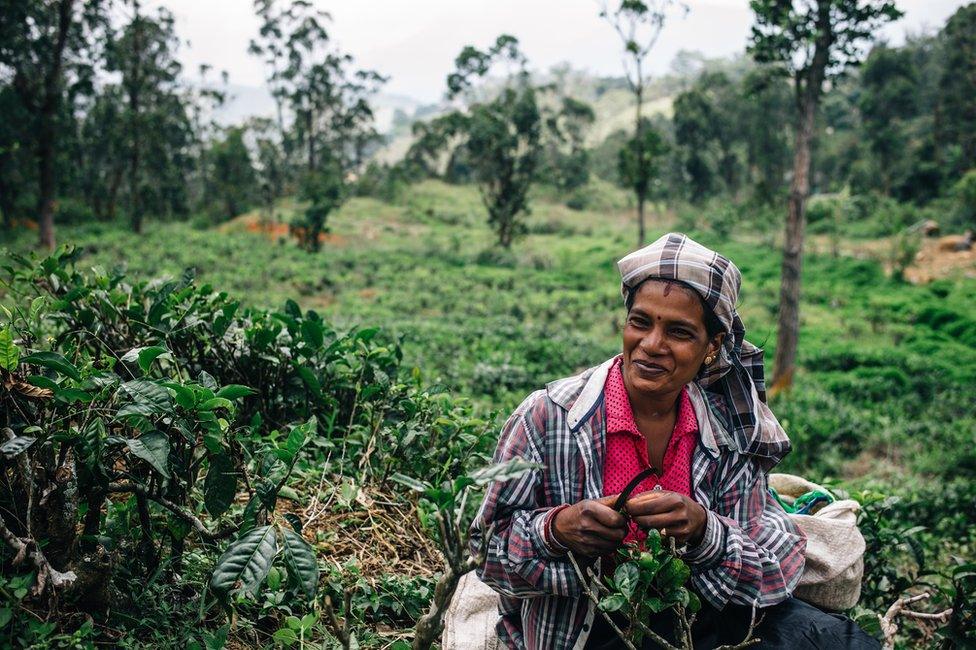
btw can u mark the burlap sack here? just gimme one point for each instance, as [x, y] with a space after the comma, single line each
[835, 548]
[469, 622]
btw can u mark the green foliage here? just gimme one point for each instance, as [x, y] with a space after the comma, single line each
[650, 579]
[837, 29]
[501, 136]
[325, 191]
[639, 161]
[160, 423]
[964, 193]
[955, 131]
[234, 180]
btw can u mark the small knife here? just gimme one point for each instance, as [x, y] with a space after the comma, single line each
[634, 482]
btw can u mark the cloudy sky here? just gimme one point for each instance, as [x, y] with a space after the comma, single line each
[415, 42]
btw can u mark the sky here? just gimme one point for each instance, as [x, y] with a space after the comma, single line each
[415, 43]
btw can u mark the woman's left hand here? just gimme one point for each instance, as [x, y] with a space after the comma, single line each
[679, 516]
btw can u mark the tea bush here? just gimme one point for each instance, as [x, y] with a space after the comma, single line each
[152, 429]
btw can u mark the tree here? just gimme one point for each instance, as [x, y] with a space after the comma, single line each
[15, 156]
[501, 135]
[155, 117]
[638, 24]
[811, 40]
[567, 160]
[694, 117]
[103, 140]
[639, 163]
[233, 175]
[332, 120]
[955, 116]
[887, 101]
[39, 39]
[763, 125]
[325, 191]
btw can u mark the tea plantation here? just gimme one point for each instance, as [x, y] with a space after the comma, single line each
[330, 442]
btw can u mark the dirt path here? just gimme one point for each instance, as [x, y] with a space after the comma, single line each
[934, 261]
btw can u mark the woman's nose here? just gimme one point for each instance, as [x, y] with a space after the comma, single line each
[653, 341]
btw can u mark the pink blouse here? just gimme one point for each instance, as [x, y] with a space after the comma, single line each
[627, 447]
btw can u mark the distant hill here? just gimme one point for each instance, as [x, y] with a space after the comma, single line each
[610, 98]
[255, 101]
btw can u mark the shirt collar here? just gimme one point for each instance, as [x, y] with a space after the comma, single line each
[620, 415]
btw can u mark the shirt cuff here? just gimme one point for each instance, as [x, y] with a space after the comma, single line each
[551, 547]
[712, 544]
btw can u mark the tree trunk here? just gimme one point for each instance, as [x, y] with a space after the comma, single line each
[135, 204]
[45, 169]
[46, 136]
[309, 125]
[640, 220]
[639, 152]
[788, 329]
[113, 194]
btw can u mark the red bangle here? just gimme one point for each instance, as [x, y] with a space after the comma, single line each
[548, 536]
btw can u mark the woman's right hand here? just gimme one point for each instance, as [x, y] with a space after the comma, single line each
[590, 528]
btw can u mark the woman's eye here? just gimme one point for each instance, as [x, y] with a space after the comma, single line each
[683, 334]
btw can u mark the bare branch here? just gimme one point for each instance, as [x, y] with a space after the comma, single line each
[29, 549]
[889, 628]
[188, 517]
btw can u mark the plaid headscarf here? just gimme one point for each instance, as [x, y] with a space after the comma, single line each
[737, 374]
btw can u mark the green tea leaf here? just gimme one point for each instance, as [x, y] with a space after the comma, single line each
[673, 574]
[654, 604]
[53, 361]
[613, 603]
[410, 482]
[313, 333]
[300, 559]
[9, 351]
[626, 578]
[152, 447]
[150, 354]
[653, 542]
[220, 486]
[144, 356]
[43, 382]
[216, 403]
[246, 562]
[149, 396]
[235, 391]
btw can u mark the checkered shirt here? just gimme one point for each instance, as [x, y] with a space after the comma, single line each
[751, 553]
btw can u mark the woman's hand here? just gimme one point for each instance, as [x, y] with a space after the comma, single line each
[679, 516]
[590, 528]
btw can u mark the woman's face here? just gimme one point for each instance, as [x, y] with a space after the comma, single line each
[665, 340]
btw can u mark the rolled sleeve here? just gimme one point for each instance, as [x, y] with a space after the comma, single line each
[708, 551]
[752, 553]
[510, 525]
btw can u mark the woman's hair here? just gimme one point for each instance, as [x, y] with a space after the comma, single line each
[712, 324]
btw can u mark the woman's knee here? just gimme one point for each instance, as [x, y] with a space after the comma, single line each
[797, 624]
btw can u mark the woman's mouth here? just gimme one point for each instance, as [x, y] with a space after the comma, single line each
[649, 369]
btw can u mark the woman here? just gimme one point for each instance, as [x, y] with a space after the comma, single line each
[685, 397]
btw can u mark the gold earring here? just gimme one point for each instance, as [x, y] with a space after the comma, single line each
[709, 359]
